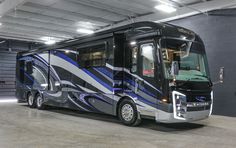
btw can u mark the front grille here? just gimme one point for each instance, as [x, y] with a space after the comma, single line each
[199, 97]
[189, 109]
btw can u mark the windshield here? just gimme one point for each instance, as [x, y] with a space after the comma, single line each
[189, 58]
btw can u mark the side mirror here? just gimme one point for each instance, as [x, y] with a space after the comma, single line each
[221, 76]
[174, 68]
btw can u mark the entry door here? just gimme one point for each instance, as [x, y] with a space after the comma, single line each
[144, 66]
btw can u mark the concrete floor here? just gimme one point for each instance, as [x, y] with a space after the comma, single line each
[22, 127]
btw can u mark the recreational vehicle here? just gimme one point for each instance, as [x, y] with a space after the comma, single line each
[140, 70]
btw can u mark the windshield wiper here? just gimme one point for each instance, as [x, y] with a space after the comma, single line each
[185, 82]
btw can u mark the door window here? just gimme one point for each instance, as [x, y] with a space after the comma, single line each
[147, 54]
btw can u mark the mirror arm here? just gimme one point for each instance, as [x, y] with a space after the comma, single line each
[217, 82]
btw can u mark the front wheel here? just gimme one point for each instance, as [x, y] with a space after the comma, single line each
[128, 113]
[39, 102]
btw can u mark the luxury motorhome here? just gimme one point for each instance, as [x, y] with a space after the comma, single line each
[140, 70]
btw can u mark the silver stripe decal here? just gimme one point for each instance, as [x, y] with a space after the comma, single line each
[57, 61]
[128, 71]
[77, 104]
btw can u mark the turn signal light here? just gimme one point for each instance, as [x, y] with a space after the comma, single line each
[164, 100]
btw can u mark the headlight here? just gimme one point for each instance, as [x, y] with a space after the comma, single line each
[179, 105]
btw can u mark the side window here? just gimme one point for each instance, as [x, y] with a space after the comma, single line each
[134, 59]
[39, 76]
[21, 71]
[147, 54]
[94, 56]
[98, 58]
[71, 53]
[29, 67]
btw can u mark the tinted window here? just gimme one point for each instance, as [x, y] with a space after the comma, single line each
[147, 53]
[92, 56]
[21, 71]
[39, 76]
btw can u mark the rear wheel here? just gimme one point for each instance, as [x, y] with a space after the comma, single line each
[128, 113]
[31, 101]
[39, 102]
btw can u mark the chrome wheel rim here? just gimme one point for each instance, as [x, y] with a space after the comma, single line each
[39, 101]
[127, 112]
[30, 100]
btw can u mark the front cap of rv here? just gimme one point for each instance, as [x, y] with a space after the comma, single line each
[184, 110]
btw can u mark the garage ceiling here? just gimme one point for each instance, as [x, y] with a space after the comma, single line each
[35, 20]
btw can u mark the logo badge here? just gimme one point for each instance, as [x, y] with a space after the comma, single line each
[200, 98]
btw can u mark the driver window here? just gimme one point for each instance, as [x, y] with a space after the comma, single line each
[147, 53]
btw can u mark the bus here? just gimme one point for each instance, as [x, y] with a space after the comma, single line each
[140, 70]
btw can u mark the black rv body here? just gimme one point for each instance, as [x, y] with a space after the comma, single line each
[127, 71]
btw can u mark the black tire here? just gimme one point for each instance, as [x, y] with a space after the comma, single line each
[39, 102]
[31, 101]
[131, 119]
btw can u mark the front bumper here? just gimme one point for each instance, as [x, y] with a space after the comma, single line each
[184, 111]
[165, 117]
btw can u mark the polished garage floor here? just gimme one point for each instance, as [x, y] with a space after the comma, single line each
[22, 127]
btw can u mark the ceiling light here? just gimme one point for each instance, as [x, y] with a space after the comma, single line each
[83, 24]
[50, 42]
[165, 8]
[0, 24]
[45, 38]
[85, 31]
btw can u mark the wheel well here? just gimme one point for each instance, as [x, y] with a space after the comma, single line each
[37, 93]
[118, 103]
[34, 94]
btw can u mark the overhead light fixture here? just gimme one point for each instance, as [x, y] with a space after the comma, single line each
[0, 24]
[166, 8]
[48, 40]
[85, 31]
[84, 24]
